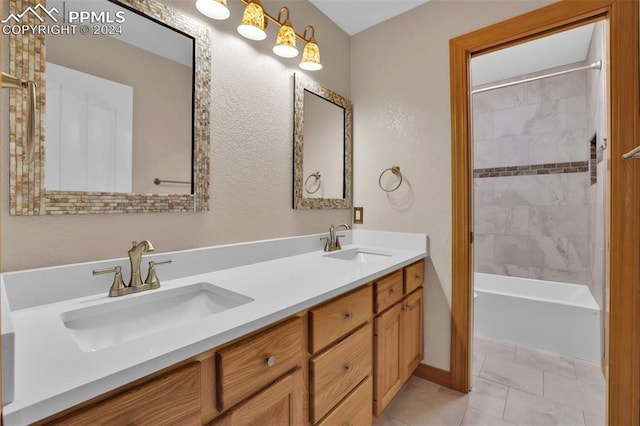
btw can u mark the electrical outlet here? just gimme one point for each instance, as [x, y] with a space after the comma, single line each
[358, 215]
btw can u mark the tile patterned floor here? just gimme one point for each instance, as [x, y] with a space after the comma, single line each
[512, 385]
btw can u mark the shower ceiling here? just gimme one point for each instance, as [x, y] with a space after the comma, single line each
[556, 50]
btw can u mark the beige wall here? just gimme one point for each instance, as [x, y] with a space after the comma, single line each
[251, 158]
[400, 91]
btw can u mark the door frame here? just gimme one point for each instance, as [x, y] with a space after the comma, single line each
[622, 314]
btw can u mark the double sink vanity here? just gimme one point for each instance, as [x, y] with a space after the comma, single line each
[276, 329]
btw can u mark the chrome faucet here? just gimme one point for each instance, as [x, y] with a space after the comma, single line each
[333, 241]
[135, 259]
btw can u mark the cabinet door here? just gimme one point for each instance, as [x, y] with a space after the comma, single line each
[389, 374]
[171, 399]
[278, 405]
[411, 324]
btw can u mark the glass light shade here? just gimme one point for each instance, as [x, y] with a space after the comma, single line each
[215, 9]
[286, 42]
[311, 56]
[253, 22]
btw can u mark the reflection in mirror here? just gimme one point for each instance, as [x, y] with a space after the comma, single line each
[323, 152]
[126, 106]
[322, 147]
[113, 124]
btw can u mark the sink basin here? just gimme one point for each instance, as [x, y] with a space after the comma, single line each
[358, 255]
[116, 322]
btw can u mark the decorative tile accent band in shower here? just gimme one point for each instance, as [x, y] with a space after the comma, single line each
[533, 169]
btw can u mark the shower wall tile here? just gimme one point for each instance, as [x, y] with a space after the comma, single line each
[562, 86]
[559, 221]
[507, 97]
[535, 190]
[557, 147]
[578, 254]
[482, 126]
[483, 248]
[513, 121]
[543, 252]
[577, 189]
[577, 114]
[511, 220]
[550, 116]
[558, 275]
[484, 191]
[535, 225]
[511, 150]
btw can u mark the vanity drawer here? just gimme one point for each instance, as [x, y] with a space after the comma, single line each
[413, 276]
[247, 366]
[333, 320]
[338, 370]
[387, 291]
[355, 410]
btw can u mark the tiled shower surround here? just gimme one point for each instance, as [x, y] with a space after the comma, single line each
[531, 179]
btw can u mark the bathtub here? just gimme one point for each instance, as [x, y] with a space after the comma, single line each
[550, 316]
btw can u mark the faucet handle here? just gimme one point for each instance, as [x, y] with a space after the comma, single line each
[152, 279]
[118, 287]
[327, 243]
[338, 246]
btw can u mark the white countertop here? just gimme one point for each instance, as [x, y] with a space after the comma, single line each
[52, 373]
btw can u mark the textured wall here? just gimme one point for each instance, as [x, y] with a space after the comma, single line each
[533, 225]
[251, 157]
[400, 90]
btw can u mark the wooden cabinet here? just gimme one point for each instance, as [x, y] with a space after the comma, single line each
[399, 339]
[413, 276]
[330, 321]
[412, 338]
[337, 371]
[388, 374]
[278, 405]
[250, 364]
[387, 291]
[354, 410]
[171, 399]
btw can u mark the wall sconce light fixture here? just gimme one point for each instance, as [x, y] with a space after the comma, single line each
[253, 25]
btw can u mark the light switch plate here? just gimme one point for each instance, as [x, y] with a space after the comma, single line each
[358, 215]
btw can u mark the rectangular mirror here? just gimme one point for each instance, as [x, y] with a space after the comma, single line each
[322, 147]
[127, 105]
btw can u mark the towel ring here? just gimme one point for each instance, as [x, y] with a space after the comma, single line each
[317, 181]
[396, 171]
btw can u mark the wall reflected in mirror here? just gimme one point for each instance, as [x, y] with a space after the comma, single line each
[119, 108]
[323, 153]
[322, 147]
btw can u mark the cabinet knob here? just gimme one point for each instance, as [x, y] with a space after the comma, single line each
[417, 277]
[348, 368]
[393, 291]
[271, 361]
[349, 315]
[405, 307]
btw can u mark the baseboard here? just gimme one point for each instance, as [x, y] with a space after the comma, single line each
[433, 374]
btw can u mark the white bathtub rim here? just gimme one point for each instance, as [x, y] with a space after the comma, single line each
[589, 304]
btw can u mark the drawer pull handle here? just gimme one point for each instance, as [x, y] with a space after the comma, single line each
[348, 368]
[349, 315]
[393, 291]
[271, 361]
[417, 277]
[405, 307]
